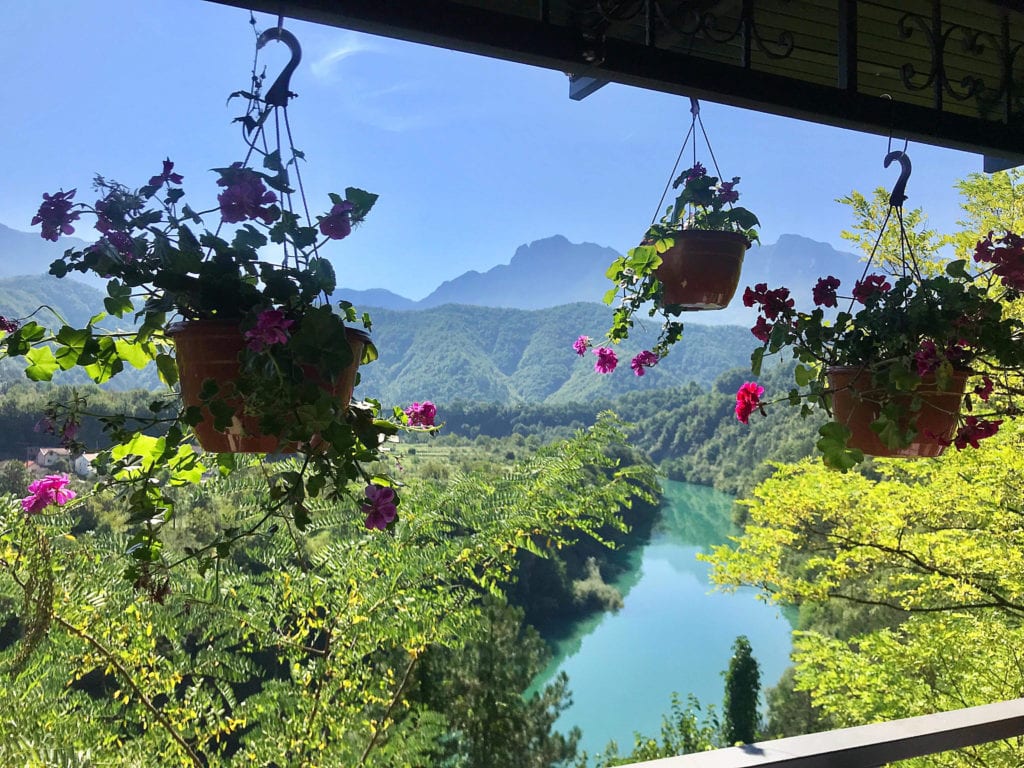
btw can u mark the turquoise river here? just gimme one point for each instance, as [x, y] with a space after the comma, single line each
[673, 634]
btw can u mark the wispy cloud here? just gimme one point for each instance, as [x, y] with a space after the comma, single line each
[349, 45]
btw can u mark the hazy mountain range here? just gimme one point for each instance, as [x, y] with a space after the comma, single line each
[553, 271]
[503, 335]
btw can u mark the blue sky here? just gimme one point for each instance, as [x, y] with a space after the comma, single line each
[471, 157]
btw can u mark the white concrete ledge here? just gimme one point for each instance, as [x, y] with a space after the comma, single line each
[866, 746]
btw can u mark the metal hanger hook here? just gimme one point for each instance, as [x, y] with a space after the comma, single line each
[280, 92]
[899, 191]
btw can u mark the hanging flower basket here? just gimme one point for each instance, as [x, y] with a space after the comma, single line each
[857, 403]
[702, 269]
[209, 350]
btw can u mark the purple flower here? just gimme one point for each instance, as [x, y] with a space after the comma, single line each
[645, 359]
[606, 360]
[380, 507]
[697, 172]
[581, 345]
[245, 197]
[271, 328]
[166, 176]
[337, 225]
[55, 215]
[421, 414]
[122, 243]
[727, 192]
[824, 292]
[51, 490]
[7, 325]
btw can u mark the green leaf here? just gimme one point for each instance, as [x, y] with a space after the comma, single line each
[42, 364]
[803, 376]
[362, 201]
[756, 357]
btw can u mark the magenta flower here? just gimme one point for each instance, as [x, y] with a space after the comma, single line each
[762, 329]
[7, 325]
[51, 490]
[337, 224]
[869, 286]
[824, 292]
[974, 430]
[773, 303]
[421, 414]
[380, 507]
[581, 345]
[984, 390]
[1007, 256]
[271, 328]
[245, 197]
[748, 400]
[166, 176]
[606, 360]
[55, 215]
[645, 359]
[927, 358]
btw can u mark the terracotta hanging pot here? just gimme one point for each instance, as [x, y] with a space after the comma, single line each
[702, 268]
[209, 349]
[856, 403]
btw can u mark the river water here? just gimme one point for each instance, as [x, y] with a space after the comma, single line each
[673, 633]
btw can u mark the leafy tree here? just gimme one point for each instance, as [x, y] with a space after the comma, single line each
[740, 707]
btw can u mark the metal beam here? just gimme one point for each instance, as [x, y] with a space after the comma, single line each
[530, 40]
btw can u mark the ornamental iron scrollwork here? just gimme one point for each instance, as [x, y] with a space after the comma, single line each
[681, 18]
[938, 37]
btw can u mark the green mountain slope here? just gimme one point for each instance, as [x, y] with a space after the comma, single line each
[457, 352]
[506, 355]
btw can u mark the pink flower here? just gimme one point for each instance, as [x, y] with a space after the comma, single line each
[380, 507]
[337, 224]
[421, 414]
[166, 176]
[748, 400]
[645, 359]
[606, 360]
[271, 328]
[7, 325]
[581, 345]
[245, 197]
[927, 358]
[51, 490]
[824, 292]
[55, 215]
[869, 286]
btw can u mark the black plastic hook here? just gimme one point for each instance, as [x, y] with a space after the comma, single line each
[280, 92]
[899, 192]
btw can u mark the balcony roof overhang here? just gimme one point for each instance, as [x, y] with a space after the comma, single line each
[944, 72]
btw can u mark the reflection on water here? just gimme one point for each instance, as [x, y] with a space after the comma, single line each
[673, 634]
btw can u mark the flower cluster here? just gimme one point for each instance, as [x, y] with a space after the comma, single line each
[421, 414]
[1006, 254]
[55, 215]
[607, 359]
[50, 491]
[902, 331]
[748, 400]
